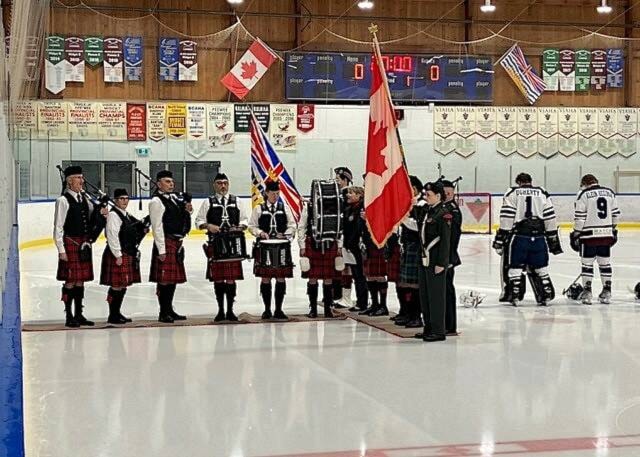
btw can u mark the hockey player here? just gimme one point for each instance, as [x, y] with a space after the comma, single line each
[528, 226]
[594, 232]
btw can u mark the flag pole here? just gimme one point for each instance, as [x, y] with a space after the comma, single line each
[373, 29]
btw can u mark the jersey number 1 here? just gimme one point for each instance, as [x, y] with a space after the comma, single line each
[528, 213]
[601, 204]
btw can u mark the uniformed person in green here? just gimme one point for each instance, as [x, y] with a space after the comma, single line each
[435, 239]
[450, 204]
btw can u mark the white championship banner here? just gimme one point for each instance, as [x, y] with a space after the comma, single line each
[527, 140]
[25, 119]
[220, 134]
[465, 130]
[506, 130]
[156, 121]
[197, 129]
[568, 131]
[444, 127]
[112, 120]
[627, 131]
[587, 131]
[486, 121]
[607, 129]
[83, 120]
[547, 132]
[52, 120]
[283, 132]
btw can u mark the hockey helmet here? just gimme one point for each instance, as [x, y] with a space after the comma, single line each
[471, 299]
[574, 291]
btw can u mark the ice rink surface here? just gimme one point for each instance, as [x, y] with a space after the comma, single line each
[557, 381]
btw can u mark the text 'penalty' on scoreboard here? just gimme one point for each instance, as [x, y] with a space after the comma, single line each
[412, 78]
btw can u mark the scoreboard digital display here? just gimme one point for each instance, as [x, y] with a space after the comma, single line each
[412, 78]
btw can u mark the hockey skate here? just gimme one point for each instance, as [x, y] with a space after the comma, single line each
[586, 295]
[605, 295]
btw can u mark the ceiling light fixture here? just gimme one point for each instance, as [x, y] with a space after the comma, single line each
[604, 8]
[234, 2]
[365, 4]
[487, 7]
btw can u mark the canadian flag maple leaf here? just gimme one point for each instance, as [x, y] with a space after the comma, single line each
[249, 69]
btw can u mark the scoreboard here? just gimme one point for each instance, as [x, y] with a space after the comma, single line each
[412, 78]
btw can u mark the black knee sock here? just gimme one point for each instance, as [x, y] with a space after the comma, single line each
[219, 288]
[67, 298]
[382, 289]
[78, 296]
[373, 291]
[162, 291]
[121, 294]
[111, 300]
[327, 297]
[401, 293]
[416, 311]
[171, 288]
[337, 290]
[312, 292]
[265, 291]
[231, 295]
[281, 291]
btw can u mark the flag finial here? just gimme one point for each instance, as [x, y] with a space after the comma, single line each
[373, 28]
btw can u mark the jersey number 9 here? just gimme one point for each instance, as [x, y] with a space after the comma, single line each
[601, 204]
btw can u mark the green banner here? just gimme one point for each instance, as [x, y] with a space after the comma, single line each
[93, 50]
[583, 70]
[55, 49]
[550, 68]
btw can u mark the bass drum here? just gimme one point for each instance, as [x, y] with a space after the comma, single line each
[326, 210]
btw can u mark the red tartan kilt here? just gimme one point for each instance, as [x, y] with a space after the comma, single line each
[375, 264]
[393, 265]
[345, 279]
[73, 269]
[323, 264]
[224, 270]
[119, 276]
[171, 271]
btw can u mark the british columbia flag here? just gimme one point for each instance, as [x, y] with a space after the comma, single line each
[522, 74]
[266, 165]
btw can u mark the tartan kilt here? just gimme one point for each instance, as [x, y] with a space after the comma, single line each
[375, 263]
[170, 271]
[393, 265]
[323, 264]
[74, 269]
[221, 270]
[119, 276]
[269, 272]
[410, 263]
[345, 278]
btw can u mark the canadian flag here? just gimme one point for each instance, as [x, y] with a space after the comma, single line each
[387, 189]
[249, 69]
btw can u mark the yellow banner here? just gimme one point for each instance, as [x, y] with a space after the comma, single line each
[177, 119]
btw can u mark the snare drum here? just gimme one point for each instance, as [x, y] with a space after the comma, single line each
[227, 246]
[272, 259]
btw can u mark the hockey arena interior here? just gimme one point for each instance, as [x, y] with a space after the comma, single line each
[345, 228]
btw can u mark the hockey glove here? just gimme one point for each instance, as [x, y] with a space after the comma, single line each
[502, 236]
[553, 241]
[574, 241]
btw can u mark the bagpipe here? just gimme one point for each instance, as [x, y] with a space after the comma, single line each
[182, 199]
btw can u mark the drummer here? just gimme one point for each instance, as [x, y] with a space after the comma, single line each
[272, 220]
[221, 215]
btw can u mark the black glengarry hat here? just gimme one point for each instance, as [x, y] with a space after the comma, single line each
[120, 193]
[164, 174]
[72, 170]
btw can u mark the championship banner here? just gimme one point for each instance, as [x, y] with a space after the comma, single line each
[74, 55]
[551, 69]
[547, 132]
[156, 121]
[176, 120]
[83, 120]
[112, 120]
[607, 129]
[598, 69]
[25, 119]
[188, 63]
[567, 70]
[583, 70]
[587, 131]
[242, 117]
[168, 59]
[283, 134]
[465, 130]
[444, 127]
[568, 131]
[93, 50]
[306, 118]
[486, 121]
[55, 65]
[220, 133]
[133, 58]
[506, 129]
[196, 121]
[627, 131]
[52, 120]
[136, 121]
[527, 124]
[113, 60]
[615, 68]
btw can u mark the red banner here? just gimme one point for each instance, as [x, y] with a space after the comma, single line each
[136, 122]
[306, 117]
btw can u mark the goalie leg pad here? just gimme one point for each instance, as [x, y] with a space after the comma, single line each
[542, 286]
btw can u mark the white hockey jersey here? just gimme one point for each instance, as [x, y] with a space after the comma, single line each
[596, 212]
[527, 203]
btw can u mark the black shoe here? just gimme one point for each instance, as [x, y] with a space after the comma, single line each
[542, 303]
[177, 317]
[431, 337]
[415, 323]
[81, 320]
[327, 312]
[368, 311]
[71, 322]
[125, 318]
[402, 320]
[219, 317]
[165, 319]
[380, 311]
[267, 314]
[232, 317]
[313, 312]
[418, 336]
[117, 320]
[356, 309]
[280, 315]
